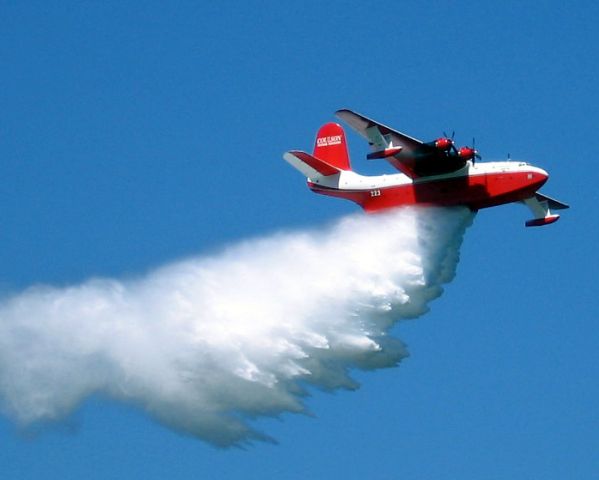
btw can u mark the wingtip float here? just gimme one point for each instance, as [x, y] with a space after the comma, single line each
[434, 173]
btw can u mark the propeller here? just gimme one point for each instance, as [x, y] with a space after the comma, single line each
[453, 147]
[476, 154]
[463, 152]
[447, 136]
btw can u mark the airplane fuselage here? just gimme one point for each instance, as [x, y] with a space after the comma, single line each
[480, 185]
[433, 173]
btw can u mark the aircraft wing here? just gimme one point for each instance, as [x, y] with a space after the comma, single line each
[409, 155]
[552, 203]
[378, 135]
[541, 206]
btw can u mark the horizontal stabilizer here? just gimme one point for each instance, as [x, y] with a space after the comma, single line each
[309, 165]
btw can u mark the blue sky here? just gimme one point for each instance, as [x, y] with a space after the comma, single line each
[136, 134]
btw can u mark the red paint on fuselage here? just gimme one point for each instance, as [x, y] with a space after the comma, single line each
[475, 191]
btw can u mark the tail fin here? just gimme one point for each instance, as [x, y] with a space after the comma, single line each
[330, 146]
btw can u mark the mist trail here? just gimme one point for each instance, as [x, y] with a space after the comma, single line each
[206, 343]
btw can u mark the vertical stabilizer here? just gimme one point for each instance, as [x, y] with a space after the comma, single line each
[331, 147]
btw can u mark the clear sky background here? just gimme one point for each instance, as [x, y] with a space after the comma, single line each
[134, 134]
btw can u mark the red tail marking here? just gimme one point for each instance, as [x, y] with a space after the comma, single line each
[330, 146]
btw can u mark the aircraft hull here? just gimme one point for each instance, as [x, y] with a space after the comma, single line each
[475, 191]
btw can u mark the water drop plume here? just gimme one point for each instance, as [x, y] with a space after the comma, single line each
[206, 344]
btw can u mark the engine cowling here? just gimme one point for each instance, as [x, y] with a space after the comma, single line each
[467, 153]
[443, 143]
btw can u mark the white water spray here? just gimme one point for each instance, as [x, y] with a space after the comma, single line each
[206, 343]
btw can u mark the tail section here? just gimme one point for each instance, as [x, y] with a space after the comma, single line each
[330, 154]
[329, 168]
[330, 146]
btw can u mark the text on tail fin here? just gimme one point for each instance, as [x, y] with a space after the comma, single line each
[331, 147]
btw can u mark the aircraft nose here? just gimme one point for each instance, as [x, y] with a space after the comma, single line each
[539, 177]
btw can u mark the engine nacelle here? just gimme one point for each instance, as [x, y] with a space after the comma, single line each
[443, 143]
[467, 153]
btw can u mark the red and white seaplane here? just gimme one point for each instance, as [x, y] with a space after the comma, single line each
[432, 173]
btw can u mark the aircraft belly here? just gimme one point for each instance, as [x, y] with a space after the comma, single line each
[462, 190]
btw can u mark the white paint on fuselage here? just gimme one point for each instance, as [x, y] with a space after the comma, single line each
[350, 180]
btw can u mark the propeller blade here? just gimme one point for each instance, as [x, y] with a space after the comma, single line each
[476, 155]
[452, 145]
